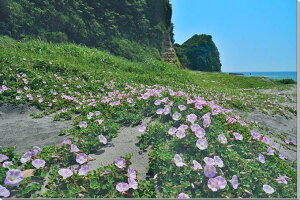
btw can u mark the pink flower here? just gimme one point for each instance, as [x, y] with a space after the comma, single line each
[197, 165]
[221, 182]
[270, 151]
[261, 158]
[265, 140]
[178, 160]
[200, 133]
[142, 128]
[65, 173]
[182, 107]
[213, 184]
[234, 181]
[222, 139]
[183, 127]
[192, 118]
[218, 161]
[172, 131]
[160, 111]
[210, 171]
[84, 170]
[74, 148]
[268, 189]
[82, 124]
[4, 192]
[282, 179]
[176, 116]
[120, 163]
[238, 136]
[180, 134]
[81, 158]
[209, 161]
[132, 183]
[122, 187]
[194, 127]
[131, 173]
[102, 139]
[3, 157]
[183, 196]
[38, 163]
[202, 143]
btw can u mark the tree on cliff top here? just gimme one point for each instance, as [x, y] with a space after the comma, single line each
[199, 53]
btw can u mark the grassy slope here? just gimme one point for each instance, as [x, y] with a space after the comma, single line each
[95, 68]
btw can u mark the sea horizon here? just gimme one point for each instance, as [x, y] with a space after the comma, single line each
[277, 75]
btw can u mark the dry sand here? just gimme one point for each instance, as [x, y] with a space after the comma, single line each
[19, 129]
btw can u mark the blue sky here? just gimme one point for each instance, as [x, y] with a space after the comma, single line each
[251, 35]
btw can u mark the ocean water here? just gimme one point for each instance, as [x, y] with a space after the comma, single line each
[271, 75]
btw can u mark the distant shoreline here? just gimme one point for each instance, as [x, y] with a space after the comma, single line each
[271, 75]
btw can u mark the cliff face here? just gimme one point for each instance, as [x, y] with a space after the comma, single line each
[129, 28]
[199, 53]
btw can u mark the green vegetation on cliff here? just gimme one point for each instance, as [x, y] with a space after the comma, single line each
[133, 29]
[199, 53]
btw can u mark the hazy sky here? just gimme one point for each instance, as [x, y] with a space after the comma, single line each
[251, 35]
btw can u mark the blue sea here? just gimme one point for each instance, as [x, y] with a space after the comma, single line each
[271, 75]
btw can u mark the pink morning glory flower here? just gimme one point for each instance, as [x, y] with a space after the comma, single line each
[172, 131]
[200, 133]
[180, 134]
[36, 151]
[191, 118]
[265, 140]
[26, 157]
[197, 165]
[6, 164]
[122, 187]
[183, 196]
[182, 107]
[194, 127]
[160, 111]
[202, 143]
[132, 183]
[120, 163]
[74, 148]
[270, 151]
[142, 128]
[4, 192]
[176, 116]
[218, 161]
[268, 189]
[97, 113]
[281, 156]
[238, 136]
[157, 102]
[222, 139]
[209, 161]
[210, 171]
[206, 123]
[131, 173]
[83, 124]
[213, 184]
[178, 160]
[84, 170]
[81, 158]
[38, 163]
[65, 173]
[13, 177]
[102, 139]
[221, 182]
[261, 158]
[234, 181]
[282, 179]
[254, 135]
[3, 157]
[183, 127]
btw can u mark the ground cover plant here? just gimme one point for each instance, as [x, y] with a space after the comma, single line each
[199, 147]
